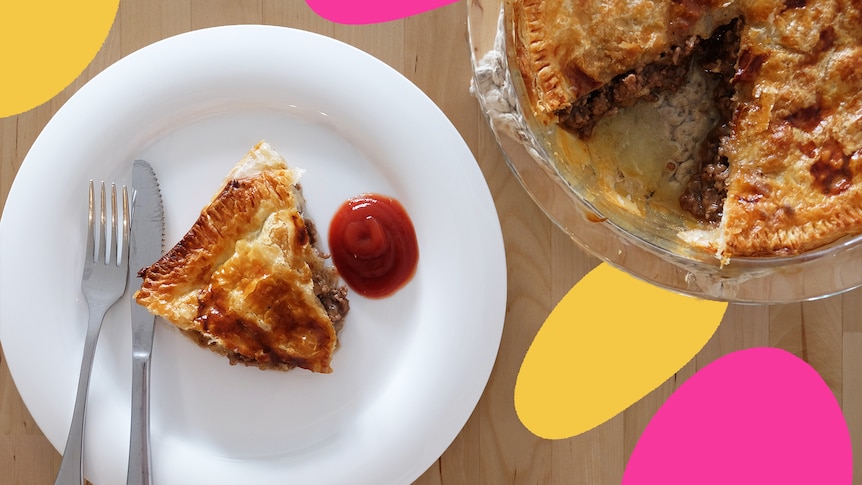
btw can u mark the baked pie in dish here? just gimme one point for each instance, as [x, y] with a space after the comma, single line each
[767, 96]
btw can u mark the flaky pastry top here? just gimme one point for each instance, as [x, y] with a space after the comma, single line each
[241, 280]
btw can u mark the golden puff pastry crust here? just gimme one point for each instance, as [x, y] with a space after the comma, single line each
[247, 281]
[792, 139]
[566, 49]
[794, 151]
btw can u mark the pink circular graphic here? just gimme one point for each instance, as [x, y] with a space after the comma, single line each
[753, 417]
[372, 11]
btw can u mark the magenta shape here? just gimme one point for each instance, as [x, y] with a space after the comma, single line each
[372, 11]
[753, 417]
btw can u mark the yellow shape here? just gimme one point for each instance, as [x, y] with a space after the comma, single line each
[609, 342]
[45, 45]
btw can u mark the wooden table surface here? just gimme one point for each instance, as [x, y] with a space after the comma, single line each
[431, 49]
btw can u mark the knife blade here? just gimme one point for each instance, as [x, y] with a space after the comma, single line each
[147, 235]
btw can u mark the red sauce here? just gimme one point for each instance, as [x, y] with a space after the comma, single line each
[373, 245]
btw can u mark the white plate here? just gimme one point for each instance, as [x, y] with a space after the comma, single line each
[411, 367]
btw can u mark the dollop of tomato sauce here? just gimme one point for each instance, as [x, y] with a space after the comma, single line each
[373, 245]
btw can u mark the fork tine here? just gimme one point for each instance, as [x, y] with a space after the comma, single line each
[115, 240]
[91, 243]
[101, 247]
[126, 228]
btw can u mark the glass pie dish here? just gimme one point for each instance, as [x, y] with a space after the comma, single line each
[583, 188]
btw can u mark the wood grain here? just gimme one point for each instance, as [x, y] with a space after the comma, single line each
[543, 263]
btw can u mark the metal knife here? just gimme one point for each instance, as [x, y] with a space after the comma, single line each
[147, 235]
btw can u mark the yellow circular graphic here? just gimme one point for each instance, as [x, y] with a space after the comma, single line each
[45, 45]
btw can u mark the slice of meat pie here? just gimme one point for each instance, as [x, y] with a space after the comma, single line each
[247, 280]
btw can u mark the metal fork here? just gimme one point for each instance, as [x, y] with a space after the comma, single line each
[103, 283]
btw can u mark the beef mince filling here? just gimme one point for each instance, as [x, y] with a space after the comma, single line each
[717, 56]
[327, 287]
[706, 190]
[666, 75]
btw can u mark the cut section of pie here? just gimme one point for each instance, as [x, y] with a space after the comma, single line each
[247, 280]
[583, 59]
[780, 171]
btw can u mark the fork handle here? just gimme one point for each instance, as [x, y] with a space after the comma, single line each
[139, 442]
[72, 466]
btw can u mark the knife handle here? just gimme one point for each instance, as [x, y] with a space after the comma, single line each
[139, 442]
